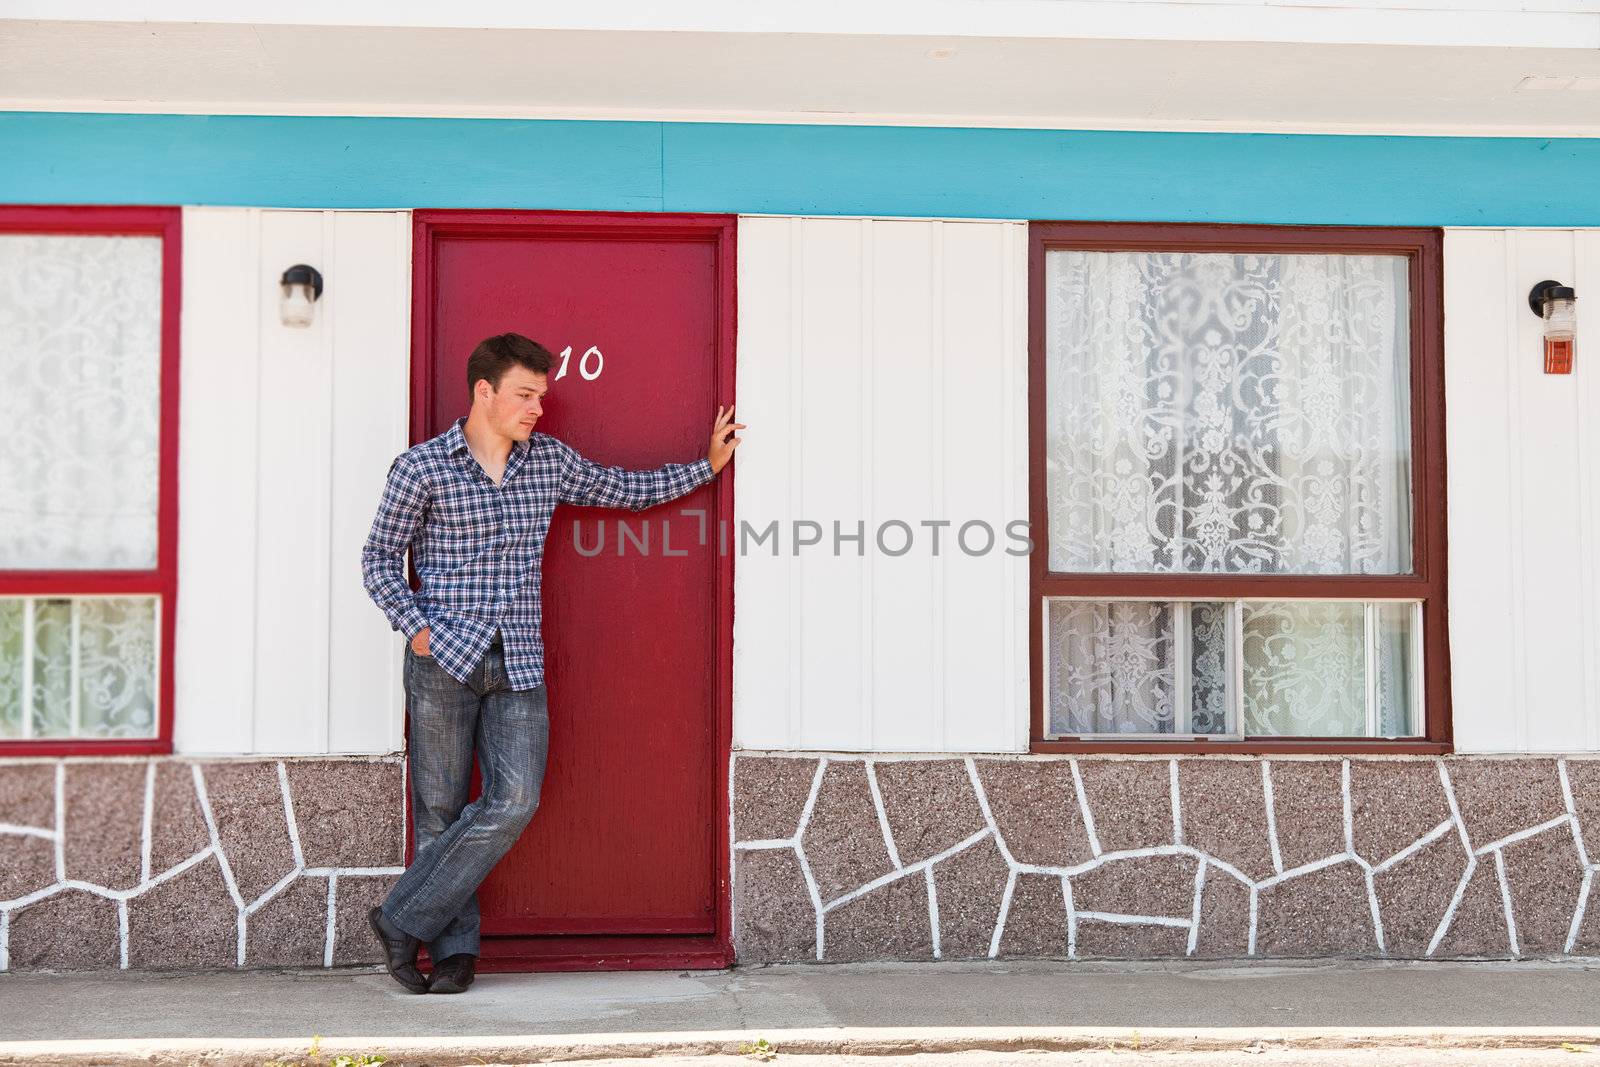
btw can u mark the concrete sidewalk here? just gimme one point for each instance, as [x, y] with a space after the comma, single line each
[840, 1009]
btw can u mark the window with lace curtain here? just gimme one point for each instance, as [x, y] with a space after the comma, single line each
[1237, 488]
[88, 348]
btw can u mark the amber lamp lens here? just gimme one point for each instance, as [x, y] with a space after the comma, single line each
[1560, 335]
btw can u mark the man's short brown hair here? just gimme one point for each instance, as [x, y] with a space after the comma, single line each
[495, 355]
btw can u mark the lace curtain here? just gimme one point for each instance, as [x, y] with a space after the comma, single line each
[80, 356]
[106, 689]
[80, 403]
[1238, 414]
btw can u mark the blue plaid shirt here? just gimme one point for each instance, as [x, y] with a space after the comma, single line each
[477, 547]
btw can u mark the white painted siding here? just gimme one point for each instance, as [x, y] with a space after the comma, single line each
[882, 370]
[1524, 496]
[285, 439]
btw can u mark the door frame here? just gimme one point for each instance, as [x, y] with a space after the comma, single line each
[610, 952]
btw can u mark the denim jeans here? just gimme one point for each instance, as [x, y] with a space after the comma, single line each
[458, 844]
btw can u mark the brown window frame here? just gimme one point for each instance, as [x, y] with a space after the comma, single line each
[1424, 249]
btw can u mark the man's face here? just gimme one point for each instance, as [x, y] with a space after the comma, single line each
[515, 407]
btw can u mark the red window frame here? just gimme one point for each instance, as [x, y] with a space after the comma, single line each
[1424, 249]
[162, 581]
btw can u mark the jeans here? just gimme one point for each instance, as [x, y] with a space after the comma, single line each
[458, 844]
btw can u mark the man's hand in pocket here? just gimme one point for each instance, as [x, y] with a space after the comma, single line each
[419, 643]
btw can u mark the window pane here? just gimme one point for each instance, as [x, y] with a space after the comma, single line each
[80, 356]
[10, 669]
[1398, 715]
[52, 668]
[91, 663]
[1232, 413]
[1113, 668]
[1305, 669]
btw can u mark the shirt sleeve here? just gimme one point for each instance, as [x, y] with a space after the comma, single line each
[586, 482]
[383, 557]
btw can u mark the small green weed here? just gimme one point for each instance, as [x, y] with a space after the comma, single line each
[315, 1058]
[762, 1050]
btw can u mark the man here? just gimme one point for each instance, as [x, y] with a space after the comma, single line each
[474, 505]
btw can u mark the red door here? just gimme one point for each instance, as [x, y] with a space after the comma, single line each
[624, 863]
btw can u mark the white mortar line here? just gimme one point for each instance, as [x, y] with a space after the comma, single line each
[816, 897]
[1071, 904]
[27, 831]
[61, 821]
[1226, 868]
[1005, 910]
[1505, 902]
[1177, 802]
[883, 816]
[811, 799]
[288, 814]
[1416, 846]
[1194, 916]
[327, 941]
[5, 939]
[1572, 810]
[173, 871]
[988, 813]
[352, 872]
[1255, 907]
[744, 846]
[1306, 868]
[1083, 807]
[1577, 916]
[902, 872]
[147, 825]
[1377, 915]
[282, 884]
[1124, 919]
[216, 838]
[1455, 809]
[1272, 815]
[1523, 835]
[933, 909]
[122, 932]
[1349, 812]
[1455, 900]
[241, 933]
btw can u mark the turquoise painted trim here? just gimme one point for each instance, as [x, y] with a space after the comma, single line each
[54, 158]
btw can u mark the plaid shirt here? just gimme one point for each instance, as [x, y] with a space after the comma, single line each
[477, 547]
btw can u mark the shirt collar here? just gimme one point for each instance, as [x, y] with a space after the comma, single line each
[455, 442]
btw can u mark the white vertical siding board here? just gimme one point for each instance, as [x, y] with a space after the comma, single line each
[215, 632]
[867, 481]
[904, 670]
[830, 433]
[1586, 278]
[1524, 480]
[971, 428]
[1015, 449]
[763, 712]
[1551, 607]
[369, 340]
[859, 342]
[293, 489]
[1478, 432]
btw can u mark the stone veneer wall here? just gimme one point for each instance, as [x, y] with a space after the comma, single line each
[170, 863]
[851, 858]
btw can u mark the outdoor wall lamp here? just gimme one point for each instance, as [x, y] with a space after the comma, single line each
[302, 285]
[1556, 304]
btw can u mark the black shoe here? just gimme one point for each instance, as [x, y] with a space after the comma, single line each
[453, 974]
[400, 953]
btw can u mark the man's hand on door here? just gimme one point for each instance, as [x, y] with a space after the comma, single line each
[723, 439]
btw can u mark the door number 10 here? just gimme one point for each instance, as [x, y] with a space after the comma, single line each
[584, 363]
